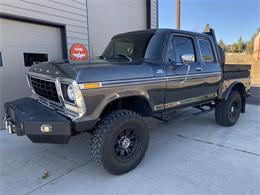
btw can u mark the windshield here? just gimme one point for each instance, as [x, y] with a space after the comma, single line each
[137, 46]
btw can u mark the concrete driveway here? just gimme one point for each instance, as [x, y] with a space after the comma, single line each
[194, 156]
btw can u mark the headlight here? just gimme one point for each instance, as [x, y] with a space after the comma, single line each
[70, 92]
[72, 96]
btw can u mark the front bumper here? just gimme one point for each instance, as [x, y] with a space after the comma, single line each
[42, 125]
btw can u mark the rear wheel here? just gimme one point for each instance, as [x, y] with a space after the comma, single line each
[227, 111]
[120, 141]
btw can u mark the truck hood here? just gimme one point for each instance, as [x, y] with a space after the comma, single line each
[95, 71]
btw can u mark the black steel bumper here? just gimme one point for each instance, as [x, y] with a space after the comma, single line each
[42, 125]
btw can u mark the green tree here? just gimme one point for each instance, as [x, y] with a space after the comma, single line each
[234, 48]
[222, 44]
[240, 45]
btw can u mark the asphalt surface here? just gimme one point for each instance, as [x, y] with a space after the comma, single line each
[195, 156]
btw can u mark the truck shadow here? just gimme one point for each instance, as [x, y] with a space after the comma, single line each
[255, 95]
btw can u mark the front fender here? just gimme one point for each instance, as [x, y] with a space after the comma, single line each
[125, 94]
[97, 100]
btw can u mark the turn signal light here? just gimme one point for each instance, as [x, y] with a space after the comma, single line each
[90, 86]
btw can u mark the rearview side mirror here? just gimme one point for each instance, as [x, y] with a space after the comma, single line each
[187, 58]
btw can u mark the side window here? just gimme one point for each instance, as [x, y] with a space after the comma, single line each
[31, 58]
[206, 51]
[183, 46]
[1, 60]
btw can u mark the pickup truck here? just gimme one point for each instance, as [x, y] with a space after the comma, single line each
[148, 73]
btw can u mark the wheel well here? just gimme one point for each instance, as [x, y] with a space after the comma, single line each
[134, 103]
[239, 87]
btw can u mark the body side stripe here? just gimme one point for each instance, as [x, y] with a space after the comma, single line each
[156, 79]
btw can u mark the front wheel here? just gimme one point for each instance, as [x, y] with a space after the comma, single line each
[227, 111]
[120, 141]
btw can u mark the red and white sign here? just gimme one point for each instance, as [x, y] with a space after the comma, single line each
[78, 52]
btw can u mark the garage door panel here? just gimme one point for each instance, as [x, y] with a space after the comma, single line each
[16, 39]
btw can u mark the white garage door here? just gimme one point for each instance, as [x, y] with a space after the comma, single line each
[22, 43]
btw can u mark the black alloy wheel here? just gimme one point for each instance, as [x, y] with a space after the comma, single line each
[120, 141]
[126, 144]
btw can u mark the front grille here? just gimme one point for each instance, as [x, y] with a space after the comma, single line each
[46, 89]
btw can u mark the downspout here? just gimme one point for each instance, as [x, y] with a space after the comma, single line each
[88, 31]
[148, 14]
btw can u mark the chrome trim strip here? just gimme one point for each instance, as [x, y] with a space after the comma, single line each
[185, 101]
[195, 76]
[29, 81]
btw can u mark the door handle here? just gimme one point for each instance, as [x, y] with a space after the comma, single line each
[187, 73]
[199, 69]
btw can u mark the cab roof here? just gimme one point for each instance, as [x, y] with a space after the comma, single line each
[162, 30]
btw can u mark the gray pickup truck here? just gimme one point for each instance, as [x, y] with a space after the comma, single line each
[148, 73]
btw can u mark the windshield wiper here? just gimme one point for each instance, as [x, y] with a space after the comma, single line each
[125, 56]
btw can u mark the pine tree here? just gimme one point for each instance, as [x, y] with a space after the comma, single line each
[222, 44]
[240, 45]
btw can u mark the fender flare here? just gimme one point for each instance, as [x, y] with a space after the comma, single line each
[228, 91]
[124, 94]
[242, 93]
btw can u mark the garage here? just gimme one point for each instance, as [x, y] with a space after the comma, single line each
[22, 43]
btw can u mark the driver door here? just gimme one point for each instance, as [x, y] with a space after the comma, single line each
[184, 84]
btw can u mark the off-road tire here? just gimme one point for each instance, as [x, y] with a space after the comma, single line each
[225, 115]
[106, 134]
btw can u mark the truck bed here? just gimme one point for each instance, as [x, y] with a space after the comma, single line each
[235, 71]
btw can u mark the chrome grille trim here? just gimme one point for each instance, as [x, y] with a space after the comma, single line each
[73, 111]
[45, 88]
[54, 106]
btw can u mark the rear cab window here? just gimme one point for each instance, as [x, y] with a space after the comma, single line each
[206, 51]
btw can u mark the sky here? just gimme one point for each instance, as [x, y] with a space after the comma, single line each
[230, 18]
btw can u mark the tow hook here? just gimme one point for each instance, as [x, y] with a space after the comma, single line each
[9, 125]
